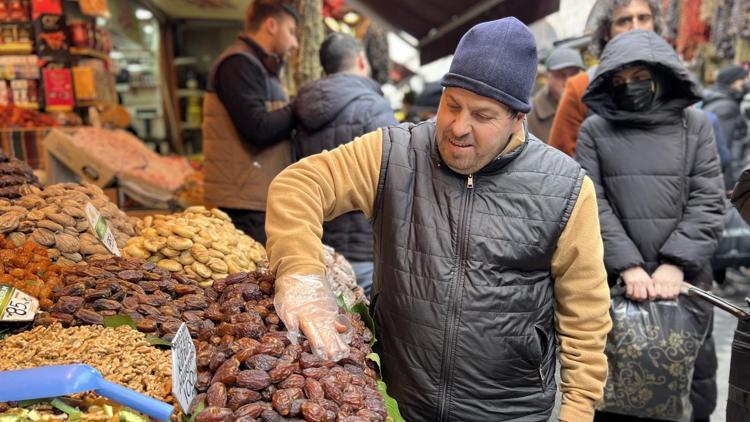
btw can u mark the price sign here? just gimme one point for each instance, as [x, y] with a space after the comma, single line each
[184, 368]
[101, 229]
[16, 305]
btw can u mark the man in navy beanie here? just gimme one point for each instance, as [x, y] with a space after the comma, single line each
[487, 250]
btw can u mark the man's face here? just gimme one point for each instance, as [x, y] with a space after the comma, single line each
[284, 32]
[636, 15]
[472, 130]
[556, 80]
[739, 85]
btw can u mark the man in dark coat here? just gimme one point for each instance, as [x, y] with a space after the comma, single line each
[332, 111]
[723, 99]
[656, 170]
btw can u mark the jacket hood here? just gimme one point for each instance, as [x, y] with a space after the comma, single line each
[717, 93]
[676, 88]
[319, 102]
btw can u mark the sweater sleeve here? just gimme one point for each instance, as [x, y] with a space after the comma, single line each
[316, 189]
[621, 252]
[241, 87]
[693, 242]
[571, 112]
[582, 309]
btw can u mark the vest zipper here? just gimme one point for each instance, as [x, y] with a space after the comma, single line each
[453, 311]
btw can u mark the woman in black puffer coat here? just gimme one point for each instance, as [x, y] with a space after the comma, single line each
[658, 179]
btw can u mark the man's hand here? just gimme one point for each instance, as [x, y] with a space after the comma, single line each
[667, 280]
[306, 303]
[638, 284]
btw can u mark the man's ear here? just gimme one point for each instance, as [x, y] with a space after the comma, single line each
[518, 122]
[271, 25]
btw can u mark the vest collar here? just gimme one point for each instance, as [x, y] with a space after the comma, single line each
[270, 61]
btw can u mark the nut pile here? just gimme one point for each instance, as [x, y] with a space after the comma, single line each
[247, 367]
[342, 278]
[29, 269]
[204, 244]
[14, 174]
[157, 300]
[54, 217]
[122, 355]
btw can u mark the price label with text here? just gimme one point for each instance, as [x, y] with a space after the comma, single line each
[184, 368]
[16, 305]
[101, 229]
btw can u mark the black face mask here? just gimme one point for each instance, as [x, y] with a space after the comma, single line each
[634, 96]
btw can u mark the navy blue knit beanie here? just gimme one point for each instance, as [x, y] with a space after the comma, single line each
[496, 59]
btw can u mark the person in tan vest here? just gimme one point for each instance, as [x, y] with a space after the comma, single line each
[247, 119]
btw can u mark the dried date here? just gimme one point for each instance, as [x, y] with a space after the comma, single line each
[292, 381]
[313, 412]
[106, 305]
[217, 395]
[252, 410]
[313, 390]
[67, 304]
[269, 415]
[227, 372]
[214, 414]
[282, 371]
[147, 325]
[238, 397]
[253, 379]
[315, 373]
[204, 381]
[89, 317]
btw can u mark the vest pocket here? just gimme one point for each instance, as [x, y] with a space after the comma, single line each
[543, 344]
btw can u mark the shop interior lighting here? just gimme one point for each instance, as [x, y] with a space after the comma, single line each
[143, 14]
[148, 29]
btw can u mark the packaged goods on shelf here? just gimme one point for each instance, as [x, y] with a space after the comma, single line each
[12, 116]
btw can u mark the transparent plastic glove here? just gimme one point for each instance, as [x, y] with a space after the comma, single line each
[306, 303]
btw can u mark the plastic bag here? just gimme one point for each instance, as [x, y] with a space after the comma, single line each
[651, 352]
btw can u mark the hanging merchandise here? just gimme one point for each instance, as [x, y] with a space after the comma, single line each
[672, 19]
[692, 30]
[741, 19]
[376, 47]
[708, 10]
[58, 89]
[722, 33]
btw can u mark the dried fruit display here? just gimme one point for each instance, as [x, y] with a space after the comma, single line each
[13, 116]
[91, 408]
[122, 355]
[54, 217]
[14, 174]
[247, 367]
[29, 269]
[202, 243]
[157, 300]
[342, 278]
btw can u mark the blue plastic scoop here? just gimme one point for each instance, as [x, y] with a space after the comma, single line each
[63, 380]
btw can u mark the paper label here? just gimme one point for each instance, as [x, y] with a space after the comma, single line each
[184, 368]
[101, 229]
[16, 305]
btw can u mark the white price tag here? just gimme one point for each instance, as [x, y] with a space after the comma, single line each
[16, 305]
[184, 368]
[101, 229]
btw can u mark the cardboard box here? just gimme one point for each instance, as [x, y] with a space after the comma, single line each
[66, 162]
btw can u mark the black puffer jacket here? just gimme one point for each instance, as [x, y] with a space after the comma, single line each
[658, 179]
[333, 111]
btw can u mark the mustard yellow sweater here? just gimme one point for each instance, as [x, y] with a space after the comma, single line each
[324, 186]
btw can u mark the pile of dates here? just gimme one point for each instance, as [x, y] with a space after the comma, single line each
[248, 369]
[158, 301]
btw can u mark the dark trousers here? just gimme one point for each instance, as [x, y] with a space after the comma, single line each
[253, 223]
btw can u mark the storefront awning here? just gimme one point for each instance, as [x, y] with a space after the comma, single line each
[439, 24]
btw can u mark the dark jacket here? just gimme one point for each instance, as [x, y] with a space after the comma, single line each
[657, 176]
[463, 284]
[332, 111]
[741, 195]
[718, 100]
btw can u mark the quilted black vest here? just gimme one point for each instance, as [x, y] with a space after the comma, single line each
[463, 297]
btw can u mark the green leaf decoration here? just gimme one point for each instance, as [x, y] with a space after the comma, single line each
[198, 409]
[114, 321]
[73, 412]
[156, 341]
